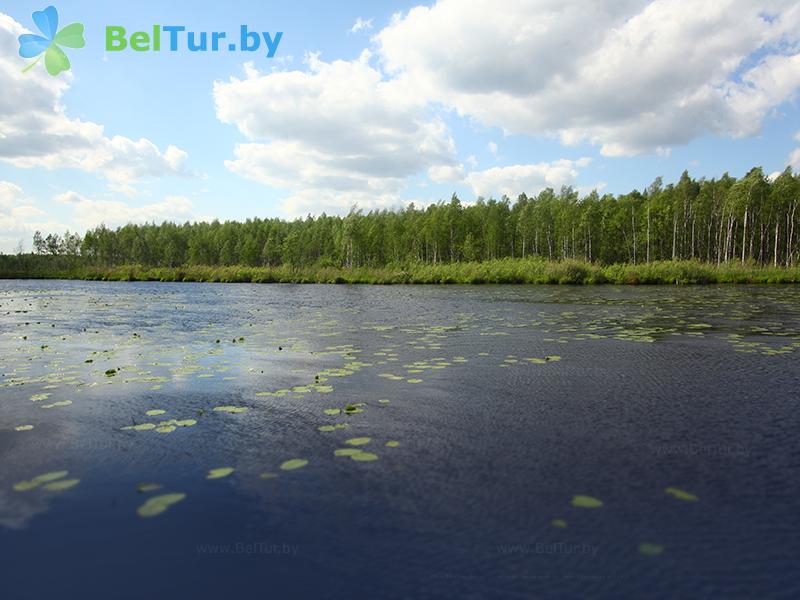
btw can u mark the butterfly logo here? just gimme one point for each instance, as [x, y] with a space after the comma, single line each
[50, 42]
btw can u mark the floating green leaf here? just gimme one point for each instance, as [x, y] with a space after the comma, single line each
[219, 473]
[392, 444]
[681, 494]
[143, 488]
[158, 504]
[24, 486]
[560, 523]
[57, 404]
[51, 476]
[231, 409]
[359, 441]
[58, 486]
[293, 464]
[364, 456]
[155, 412]
[23, 427]
[586, 502]
[139, 427]
[346, 451]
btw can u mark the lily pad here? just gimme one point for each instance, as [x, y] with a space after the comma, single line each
[24, 486]
[681, 494]
[58, 486]
[155, 412]
[23, 427]
[586, 502]
[219, 473]
[295, 463]
[392, 444]
[346, 451]
[231, 409]
[57, 404]
[139, 427]
[560, 523]
[359, 441]
[158, 504]
[326, 428]
[51, 476]
[268, 475]
[364, 456]
[143, 488]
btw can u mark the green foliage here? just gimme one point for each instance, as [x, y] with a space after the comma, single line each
[504, 270]
[665, 234]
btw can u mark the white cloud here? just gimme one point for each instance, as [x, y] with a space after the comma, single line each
[361, 25]
[492, 147]
[531, 179]
[19, 218]
[333, 135]
[627, 75]
[89, 213]
[35, 130]
[446, 173]
[794, 159]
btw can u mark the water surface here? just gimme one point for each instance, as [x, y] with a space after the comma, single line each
[506, 403]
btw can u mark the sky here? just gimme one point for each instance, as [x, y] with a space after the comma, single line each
[378, 104]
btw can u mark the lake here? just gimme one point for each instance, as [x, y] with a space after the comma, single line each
[398, 442]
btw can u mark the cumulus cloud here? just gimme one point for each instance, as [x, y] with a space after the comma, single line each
[627, 75]
[531, 179]
[19, 218]
[87, 212]
[361, 25]
[35, 130]
[333, 135]
[446, 173]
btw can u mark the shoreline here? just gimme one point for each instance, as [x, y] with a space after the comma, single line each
[502, 271]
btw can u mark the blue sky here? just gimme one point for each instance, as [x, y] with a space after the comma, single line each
[465, 101]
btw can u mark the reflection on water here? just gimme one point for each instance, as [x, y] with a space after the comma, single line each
[421, 441]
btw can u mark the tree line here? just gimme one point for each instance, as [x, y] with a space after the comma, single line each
[751, 219]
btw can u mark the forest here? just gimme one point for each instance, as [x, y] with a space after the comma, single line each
[751, 221]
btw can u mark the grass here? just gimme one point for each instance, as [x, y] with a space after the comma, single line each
[506, 271]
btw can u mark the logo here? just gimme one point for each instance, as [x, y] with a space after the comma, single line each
[50, 42]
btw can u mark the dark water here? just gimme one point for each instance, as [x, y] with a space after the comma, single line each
[691, 388]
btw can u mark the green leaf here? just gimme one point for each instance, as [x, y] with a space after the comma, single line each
[158, 504]
[71, 36]
[55, 60]
[219, 473]
[586, 502]
[295, 463]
